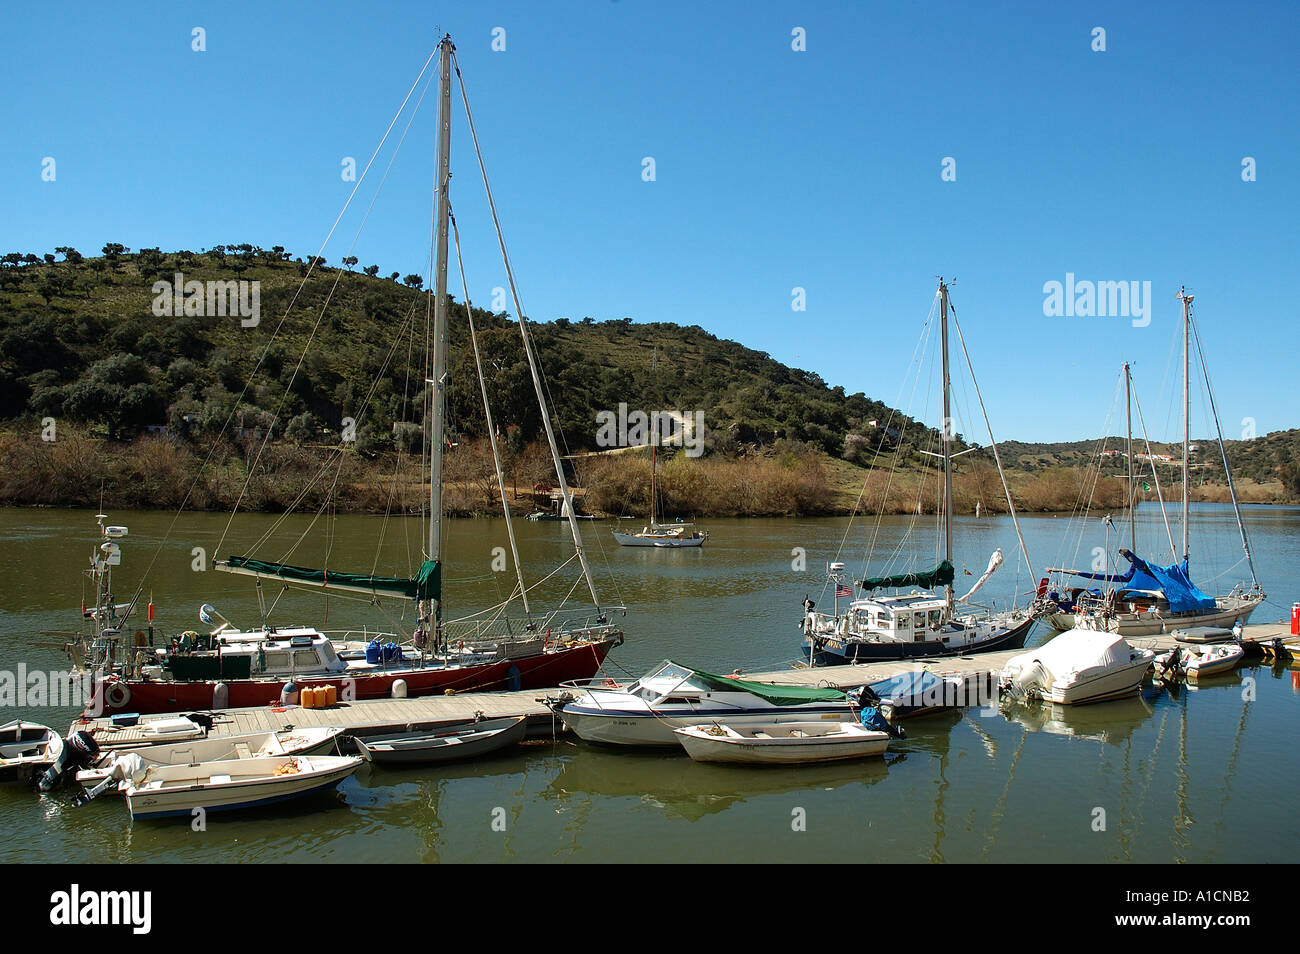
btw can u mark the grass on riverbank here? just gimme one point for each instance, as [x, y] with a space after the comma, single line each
[151, 472]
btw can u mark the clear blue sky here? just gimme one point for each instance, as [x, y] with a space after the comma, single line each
[775, 169]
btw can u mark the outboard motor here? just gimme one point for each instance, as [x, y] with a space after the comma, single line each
[79, 750]
[873, 718]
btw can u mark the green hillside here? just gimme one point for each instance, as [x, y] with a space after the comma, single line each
[79, 342]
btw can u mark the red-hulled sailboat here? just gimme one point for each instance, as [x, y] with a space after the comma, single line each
[232, 667]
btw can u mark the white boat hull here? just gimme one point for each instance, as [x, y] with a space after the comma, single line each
[664, 542]
[170, 791]
[658, 728]
[782, 743]
[1099, 686]
[1156, 623]
[310, 741]
[1214, 661]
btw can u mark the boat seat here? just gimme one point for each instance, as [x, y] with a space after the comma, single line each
[242, 750]
[219, 779]
[761, 735]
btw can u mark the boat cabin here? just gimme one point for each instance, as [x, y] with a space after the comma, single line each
[297, 651]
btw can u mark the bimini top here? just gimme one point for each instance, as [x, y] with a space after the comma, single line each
[777, 695]
[1172, 581]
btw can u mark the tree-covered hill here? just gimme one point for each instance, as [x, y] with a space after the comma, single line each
[80, 341]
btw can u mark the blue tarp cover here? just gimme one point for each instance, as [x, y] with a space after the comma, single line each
[1173, 581]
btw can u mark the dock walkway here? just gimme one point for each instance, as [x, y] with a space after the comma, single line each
[381, 716]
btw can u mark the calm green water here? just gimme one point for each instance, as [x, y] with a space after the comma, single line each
[1180, 778]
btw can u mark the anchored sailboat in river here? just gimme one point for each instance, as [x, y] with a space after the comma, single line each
[489, 651]
[1150, 598]
[919, 622]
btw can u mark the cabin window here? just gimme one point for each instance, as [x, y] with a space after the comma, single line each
[935, 618]
[920, 621]
[884, 621]
[687, 699]
[306, 659]
[277, 660]
[904, 622]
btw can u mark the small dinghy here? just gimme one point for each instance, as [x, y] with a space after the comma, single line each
[309, 741]
[467, 741]
[162, 791]
[782, 743]
[27, 750]
[1211, 660]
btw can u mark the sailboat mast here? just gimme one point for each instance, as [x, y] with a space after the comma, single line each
[946, 434]
[1187, 409]
[437, 394]
[1132, 509]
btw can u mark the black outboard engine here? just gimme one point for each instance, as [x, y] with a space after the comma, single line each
[79, 750]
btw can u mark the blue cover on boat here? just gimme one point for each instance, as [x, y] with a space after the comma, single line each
[1173, 581]
[907, 686]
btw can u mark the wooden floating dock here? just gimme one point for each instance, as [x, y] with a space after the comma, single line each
[381, 716]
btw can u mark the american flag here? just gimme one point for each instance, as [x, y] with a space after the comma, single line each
[842, 589]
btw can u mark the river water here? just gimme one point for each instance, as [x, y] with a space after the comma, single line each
[1191, 776]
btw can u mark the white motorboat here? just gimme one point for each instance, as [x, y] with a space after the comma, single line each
[1211, 660]
[27, 750]
[309, 741]
[453, 744]
[781, 743]
[162, 791]
[647, 712]
[1078, 666]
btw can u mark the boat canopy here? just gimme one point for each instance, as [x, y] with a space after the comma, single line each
[1076, 650]
[426, 584]
[1173, 581]
[941, 575]
[777, 695]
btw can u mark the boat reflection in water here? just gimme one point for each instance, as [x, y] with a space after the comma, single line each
[677, 786]
[1112, 723]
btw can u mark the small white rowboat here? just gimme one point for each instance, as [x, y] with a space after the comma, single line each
[1212, 660]
[27, 750]
[309, 741]
[782, 743]
[447, 745]
[161, 791]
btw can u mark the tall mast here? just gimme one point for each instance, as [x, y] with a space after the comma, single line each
[1187, 408]
[654, 442]
[946, 434]
[1132, 509]
[437, 394]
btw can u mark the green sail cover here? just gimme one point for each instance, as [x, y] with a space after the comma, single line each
[426, 585]
[941, 575]
[777, 695]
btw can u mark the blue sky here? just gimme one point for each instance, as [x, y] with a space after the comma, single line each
[774, 168]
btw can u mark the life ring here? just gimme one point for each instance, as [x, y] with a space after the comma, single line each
[117, 694]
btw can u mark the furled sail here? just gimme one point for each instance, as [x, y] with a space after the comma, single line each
[995, 561]
[941, 575]
[425, 585]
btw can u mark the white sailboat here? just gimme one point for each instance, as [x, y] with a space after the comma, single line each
[918, 622]
[1151, 598]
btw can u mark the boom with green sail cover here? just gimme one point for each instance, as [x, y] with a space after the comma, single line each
[425, 585]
